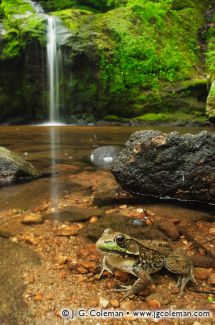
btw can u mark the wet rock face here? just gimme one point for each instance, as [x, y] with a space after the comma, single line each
[210, 107]
[13, 168]
[168, 165]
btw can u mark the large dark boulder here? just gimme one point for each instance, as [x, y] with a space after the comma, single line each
[168, 165]
[14, 168]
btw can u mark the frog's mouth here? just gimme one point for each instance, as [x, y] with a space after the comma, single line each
[119, 253]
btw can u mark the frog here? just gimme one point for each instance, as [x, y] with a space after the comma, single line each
[142, 258]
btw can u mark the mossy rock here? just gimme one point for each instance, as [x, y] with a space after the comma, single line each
[14, 168]
[210, 109]
[21, 26]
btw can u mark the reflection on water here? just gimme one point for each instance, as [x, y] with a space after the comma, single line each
[60, 151]
[54, 185]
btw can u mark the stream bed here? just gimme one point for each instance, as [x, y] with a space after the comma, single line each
[70, 207]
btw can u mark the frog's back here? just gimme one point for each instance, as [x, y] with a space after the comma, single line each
[157, 246]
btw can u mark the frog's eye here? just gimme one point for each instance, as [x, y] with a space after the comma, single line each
[120, 240]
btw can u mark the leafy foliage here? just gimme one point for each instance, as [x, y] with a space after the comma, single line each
[153, 44]
[21, 24]
[211, 50]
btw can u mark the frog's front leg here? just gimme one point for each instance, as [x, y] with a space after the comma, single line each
[105, 267]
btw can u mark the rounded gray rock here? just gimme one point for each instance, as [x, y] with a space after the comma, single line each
[14, 168]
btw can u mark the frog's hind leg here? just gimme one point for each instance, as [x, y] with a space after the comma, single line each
[185, 279]
[143, 280]
[179, 263]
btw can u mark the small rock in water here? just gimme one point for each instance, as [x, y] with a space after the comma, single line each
[212, 231]
[105, 156]
[212, 279]
[137, 222]
[93, 220]
[32, 218]
[115, 303]
[202, 273]
[68, 230]
[103, 302]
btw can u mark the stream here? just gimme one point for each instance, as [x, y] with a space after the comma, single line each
[61, 154]
[57, 151]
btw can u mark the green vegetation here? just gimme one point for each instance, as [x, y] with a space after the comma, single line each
[153, 44]
[171, 117]
[102, 5]
[21, 25]
[211, 49]
[124, 58]
[134, 52]
[72, 18]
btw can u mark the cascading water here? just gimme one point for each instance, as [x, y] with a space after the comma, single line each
[54, 62]
[54, 76]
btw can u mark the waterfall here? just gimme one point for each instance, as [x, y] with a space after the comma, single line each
[54, 62]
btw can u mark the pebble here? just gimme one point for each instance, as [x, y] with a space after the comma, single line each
[153, 304]
[153, 301]
[202, 273]
[82, 270]
[128, 305]
[103, 302]
[14, 239]
[90, 266]
[38, 297]
[61, 259]
[49, 297]
[93, 220]
[140, 210]
[29, 238]
[123, 206]
[115, 303]
[80, 278]
[32, 218]
[212, 231]
[212, 279]
[68, 231]
[31, 279]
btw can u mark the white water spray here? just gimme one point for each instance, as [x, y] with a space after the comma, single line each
[54, 62]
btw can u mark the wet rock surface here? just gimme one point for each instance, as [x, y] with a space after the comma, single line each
[14, 168]
[14, 257]
[168, 165]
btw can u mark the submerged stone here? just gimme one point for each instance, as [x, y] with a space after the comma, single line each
[168, 165]
[105, 156]
[14, 168]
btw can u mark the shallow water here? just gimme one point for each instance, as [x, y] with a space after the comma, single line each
[61, 150]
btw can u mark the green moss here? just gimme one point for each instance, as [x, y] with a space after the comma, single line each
[153, 44]
[211, 50]
[171, 117]
[97, 5]
[22, 24]
[72, 18]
